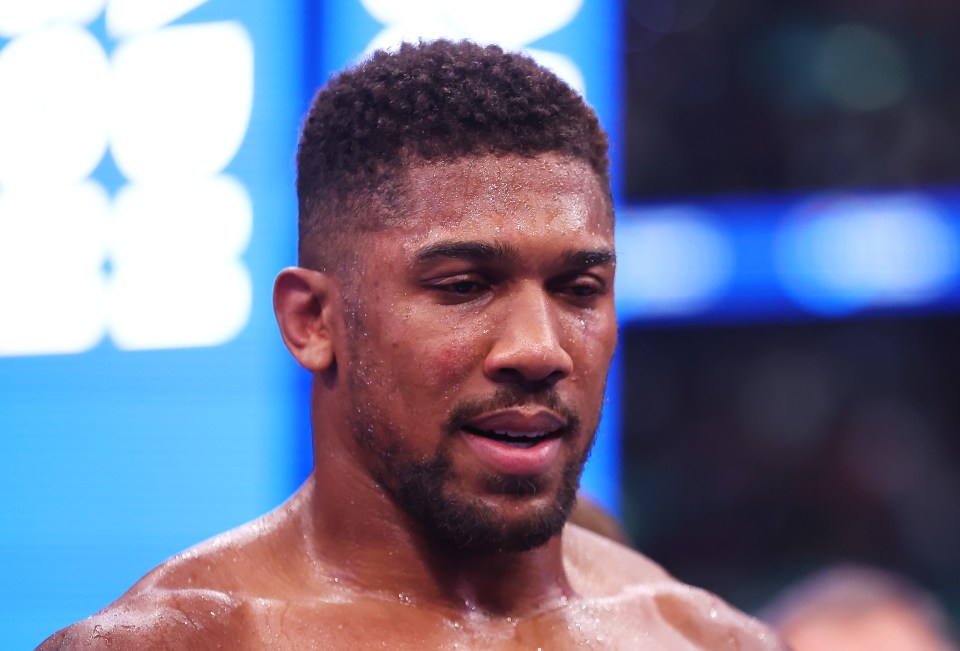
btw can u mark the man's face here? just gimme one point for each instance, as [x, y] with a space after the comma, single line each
[480, 329]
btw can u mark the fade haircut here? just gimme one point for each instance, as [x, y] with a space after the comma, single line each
[423, 103]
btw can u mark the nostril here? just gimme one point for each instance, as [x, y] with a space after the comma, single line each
[515, 377]
[541, 366]
[528, 345]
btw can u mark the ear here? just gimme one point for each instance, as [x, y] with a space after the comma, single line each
[307, 305]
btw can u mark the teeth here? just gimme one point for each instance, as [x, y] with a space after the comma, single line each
[523, 435]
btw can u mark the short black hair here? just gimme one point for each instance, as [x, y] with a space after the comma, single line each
[426, 102]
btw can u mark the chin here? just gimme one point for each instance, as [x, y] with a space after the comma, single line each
[520, 514]
[479, 527]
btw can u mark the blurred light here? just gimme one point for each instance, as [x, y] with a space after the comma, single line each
[482, 22]
[52, 283]
[846, 254]
[53, 117]
[174, 108]
[129, 17]
[510, 23]
[177, 279]
[182, 100]
[672, 262]
[861, 69]
[18, 17]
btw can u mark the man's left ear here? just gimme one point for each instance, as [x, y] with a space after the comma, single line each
[307, 305]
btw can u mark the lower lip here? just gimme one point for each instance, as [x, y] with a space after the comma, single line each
[509, 460]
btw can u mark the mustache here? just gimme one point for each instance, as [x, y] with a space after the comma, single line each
[510, 396]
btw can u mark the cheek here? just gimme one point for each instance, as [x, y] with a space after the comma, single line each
[448, 365]
[444, 356]
[593, 340]
[451, 360]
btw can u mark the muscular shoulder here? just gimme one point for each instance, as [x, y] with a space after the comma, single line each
[674, 615]
[195, 600]
[162, 619]
[600, 567]
[705, 621]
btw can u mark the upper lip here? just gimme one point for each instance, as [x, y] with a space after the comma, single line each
[519, 420]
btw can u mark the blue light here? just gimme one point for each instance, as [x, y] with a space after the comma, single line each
[749, 258]
[672, 261]
[844, 254]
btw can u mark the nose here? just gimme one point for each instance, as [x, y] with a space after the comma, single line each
[529, 342]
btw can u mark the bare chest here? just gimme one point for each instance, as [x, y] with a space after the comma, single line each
[376, 625]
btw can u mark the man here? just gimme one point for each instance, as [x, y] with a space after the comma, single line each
[860, 609]
[454, 302]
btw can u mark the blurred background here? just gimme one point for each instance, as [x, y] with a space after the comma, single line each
[788, 185]
[802, 408]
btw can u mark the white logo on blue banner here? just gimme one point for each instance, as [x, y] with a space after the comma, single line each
[155, 263]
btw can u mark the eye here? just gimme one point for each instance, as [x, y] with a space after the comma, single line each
[582, 288]
[462, 287]
[459, 289]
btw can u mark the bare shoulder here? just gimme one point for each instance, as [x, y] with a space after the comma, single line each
[617, 580]
[600, 567]
[195, 600]
[162, 619]
[702, 619]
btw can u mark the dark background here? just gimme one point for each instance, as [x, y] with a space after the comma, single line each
[760, 96]
[755, 453]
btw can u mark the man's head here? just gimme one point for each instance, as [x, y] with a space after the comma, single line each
[457, 301]
[426, 103]
[860, 608]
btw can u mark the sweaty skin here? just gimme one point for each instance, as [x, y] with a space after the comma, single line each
[487, 308]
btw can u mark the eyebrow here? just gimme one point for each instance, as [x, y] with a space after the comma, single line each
[467, 250]
[485, 251]
[594, 258]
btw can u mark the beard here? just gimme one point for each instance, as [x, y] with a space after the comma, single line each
[472, 525]
[422, 487]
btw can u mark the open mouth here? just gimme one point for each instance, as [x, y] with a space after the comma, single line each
[520, 440]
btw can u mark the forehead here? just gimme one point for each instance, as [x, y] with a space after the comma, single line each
[505, 196]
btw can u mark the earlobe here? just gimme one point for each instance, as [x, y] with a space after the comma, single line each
[306, 304]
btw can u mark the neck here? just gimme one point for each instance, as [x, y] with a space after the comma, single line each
[357, 536]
